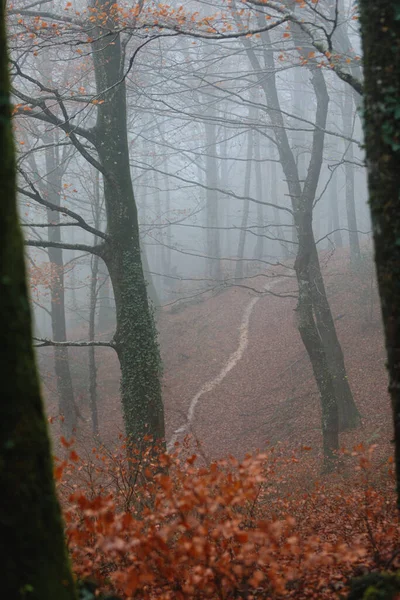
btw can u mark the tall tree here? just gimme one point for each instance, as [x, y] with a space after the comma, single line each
[380, 28]
[135, 337]
[105, 146]
[35, 562]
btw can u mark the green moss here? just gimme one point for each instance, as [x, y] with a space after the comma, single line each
[375, 586]
[35, 564]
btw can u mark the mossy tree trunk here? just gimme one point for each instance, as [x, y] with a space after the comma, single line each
[135, 337]
[380, 28]
[35, 563]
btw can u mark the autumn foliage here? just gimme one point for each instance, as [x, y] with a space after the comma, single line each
[263, 527]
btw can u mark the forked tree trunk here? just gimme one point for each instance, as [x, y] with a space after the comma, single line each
[349, 417]
[302, 198]
[312, 340]
[34, 562]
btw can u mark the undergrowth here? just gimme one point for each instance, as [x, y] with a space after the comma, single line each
[265, 527]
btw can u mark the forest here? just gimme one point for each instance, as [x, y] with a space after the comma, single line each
[200, 299]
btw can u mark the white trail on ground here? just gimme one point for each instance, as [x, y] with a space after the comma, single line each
[232, 361]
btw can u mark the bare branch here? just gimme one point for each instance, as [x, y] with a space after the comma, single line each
[99, 250]
[62, 209]
[43, 342]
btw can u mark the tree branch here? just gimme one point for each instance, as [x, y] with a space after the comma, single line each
[43, 342]
[62, 209]
[99, 250]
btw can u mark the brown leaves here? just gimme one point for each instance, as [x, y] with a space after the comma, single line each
[230, 529]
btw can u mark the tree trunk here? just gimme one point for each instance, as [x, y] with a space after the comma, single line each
[94, 283]
[106, 318]
[380, 28]
[92, 349]
[334, 211]
[34, 561]
[213, 240]
[347, 112]
[246, 208]
[302, 199]
[52, 191]
[259, 245]
[311, 338]
[349, 417]
[135, 337]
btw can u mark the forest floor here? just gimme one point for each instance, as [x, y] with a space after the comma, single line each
[237, 360]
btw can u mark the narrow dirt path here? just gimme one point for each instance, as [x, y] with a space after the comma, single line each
[231, 363]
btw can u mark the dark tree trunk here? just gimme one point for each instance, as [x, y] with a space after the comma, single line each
[135, 337]
[302, 198]
[307, 268]
[380, 28]
[34, 562]
[312, 340]
[106, 318]
[349, 417]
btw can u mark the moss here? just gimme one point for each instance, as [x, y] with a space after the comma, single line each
[35, 564]
[380, 29]
[375, 586]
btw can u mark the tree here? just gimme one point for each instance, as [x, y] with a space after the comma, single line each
[135, 339]
[380, 29]
[315, 321]
[35, 562]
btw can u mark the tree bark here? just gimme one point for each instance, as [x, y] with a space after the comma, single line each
[380, 29]
[312, 340]
[135, 336]
[35, 562]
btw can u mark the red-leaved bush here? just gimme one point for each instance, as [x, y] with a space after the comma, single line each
[260, 528]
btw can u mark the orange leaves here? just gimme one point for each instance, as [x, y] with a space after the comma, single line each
[73, 456]
[223, 530]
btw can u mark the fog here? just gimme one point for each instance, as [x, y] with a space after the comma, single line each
[231, 143]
